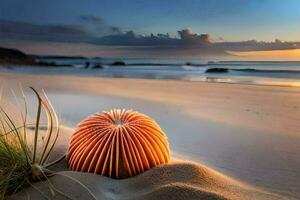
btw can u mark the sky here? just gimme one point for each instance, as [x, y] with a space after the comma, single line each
[230, 19]
[224, 20]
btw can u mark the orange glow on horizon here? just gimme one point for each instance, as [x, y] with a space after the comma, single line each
[270, 55]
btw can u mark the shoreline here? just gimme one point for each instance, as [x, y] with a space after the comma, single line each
[223, 78]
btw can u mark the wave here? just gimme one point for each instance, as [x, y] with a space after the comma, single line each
[252, 70]
[167, 64]
[249, 70]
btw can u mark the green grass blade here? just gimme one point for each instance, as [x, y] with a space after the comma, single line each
[56, 125]
[49, 131]
[38, 116]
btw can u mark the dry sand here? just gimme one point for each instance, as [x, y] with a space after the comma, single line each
[177, 180]
[245, 131]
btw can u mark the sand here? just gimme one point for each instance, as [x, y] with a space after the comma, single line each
[177, 180]
[226, 103]
[250, 133]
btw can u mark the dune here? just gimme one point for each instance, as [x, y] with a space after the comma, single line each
[180, 179]
[177, 180]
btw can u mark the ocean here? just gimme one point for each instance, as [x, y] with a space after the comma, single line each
[246, 72]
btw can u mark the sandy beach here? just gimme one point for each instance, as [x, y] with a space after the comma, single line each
[246, 132]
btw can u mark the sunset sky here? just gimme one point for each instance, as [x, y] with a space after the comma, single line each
[89, 20]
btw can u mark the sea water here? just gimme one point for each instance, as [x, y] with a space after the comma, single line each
[246, 72]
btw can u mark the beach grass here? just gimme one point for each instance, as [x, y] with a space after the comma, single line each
[25, 160]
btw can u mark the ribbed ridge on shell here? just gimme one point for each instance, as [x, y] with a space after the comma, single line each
[118, 144]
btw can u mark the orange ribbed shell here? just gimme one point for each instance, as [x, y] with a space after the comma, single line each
[118, 144]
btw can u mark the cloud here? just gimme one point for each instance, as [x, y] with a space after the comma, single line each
[115, 29]
[91, 18]
[98, 26]
[253, 45]
[28, 31]
[130, 42]
[131, 38]
[189, 38]
[92, 50]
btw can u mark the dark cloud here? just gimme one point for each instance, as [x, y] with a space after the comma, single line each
[115, 29]
[189, 38]
[114, 37]
[253, 45]
[98, 26]
[91, 18]
[130, 38]
[28, 31]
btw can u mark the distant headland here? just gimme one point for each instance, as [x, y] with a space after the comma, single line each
[10, 57]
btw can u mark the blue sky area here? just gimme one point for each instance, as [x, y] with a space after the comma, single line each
[232, 20]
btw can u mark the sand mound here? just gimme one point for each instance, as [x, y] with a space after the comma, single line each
[178, 180]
